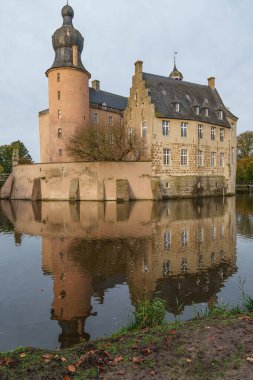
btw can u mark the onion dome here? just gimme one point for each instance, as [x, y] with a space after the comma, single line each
[176, 74]
[66, 40]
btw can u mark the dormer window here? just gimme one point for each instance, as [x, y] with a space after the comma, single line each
[103, 106]
[220, 114]
[177, 107]
[206, 111]
[197, 110]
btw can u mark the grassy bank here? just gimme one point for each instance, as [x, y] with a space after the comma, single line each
[217, 345]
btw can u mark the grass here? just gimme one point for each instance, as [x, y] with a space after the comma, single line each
[149, 313]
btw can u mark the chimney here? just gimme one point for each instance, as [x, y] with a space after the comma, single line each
[138, 67]
[211, 83]
[75, 55]
[96, 85]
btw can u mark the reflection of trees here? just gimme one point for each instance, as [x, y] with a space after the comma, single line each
[244, 215]
[5, 224]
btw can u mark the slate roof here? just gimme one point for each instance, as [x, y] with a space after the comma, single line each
[114, 101]
[164, 91]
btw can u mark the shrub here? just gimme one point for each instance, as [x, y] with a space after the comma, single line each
[149, 313]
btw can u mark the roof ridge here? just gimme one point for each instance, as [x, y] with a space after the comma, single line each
[173, 80]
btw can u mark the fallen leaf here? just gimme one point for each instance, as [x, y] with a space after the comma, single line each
[134, 347]
[118, 359]
[8, 361]
[47, 356]
[22, 355]
[188, 360]
[137, 360]
[144, 331]
[63, 359]
[46, 360]
[250, 359]
[211, 338]
[220, 349]
[121, 373]
[172, 332]
[152, 373]
[72, 368]
[146, 351]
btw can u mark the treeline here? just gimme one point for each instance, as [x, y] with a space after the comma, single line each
[6, 152]
[245, 157]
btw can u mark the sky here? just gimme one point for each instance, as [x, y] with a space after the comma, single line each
[212, 38]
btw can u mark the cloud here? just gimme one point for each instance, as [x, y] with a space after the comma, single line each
[212, 38]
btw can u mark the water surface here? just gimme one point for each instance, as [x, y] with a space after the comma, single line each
[72, 272]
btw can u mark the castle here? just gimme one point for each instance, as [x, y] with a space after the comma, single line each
[188, 135]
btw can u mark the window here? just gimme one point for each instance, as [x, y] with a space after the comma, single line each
[184, 129]
[222, 231]
[110, 121]
[213, 133]
[59, 114]
[58, 77]
[184, 265]
[60, 152]
[166, 156]
[200, 234]
[111, 138]
[233, 155]
[222, 160]
[104, 106]
[220, 114]
[213, 232]
[184, 157]
[197, 110]
[222, 134]
[59, 95]
[206, 111]
[213, 158]
[167, 239]
[59, 133]
[165, 126]
[94, 118]
[184, 238]
[200, 131]
[144, 129]
[200, 158]
[177, 107]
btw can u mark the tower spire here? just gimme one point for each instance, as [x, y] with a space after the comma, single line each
[176, 74]
[175, 53]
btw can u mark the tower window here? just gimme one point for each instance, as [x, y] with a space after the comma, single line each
[59, 114]
[59, 133]
[60, 152]
[58, 77]
[184, 157]
[110, 121]
[59, 95]
[94, 118]
[165, 126]
[183, 129]
[166, 156]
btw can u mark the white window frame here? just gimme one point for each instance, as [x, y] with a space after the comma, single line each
[167, 239]
[213, 159]
[144, 129]
[94, 118]
[213, 130]
[110, 119]
[220, 114]
[200, 160]
[184, 238]
[184, 127]
[177, 107]
[166, 156]
[200, 131]
[184, 157]
[165, 127]
[197, 110]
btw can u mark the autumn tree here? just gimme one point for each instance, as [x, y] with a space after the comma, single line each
[105, 144]
[245, 144]
[6, 155]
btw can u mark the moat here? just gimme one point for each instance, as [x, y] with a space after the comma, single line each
[74, 271]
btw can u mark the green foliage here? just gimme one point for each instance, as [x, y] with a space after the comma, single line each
[1, 168]
[245, 144]
[245, 169]
[149, 313]
[6, 155]
[248, 304]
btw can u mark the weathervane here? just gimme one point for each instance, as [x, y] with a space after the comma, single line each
[175, 54]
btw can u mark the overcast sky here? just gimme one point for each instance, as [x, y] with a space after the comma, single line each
[212, 38]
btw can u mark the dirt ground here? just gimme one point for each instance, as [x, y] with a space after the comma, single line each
[207, 348]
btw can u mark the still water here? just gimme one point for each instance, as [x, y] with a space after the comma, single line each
[73, 272]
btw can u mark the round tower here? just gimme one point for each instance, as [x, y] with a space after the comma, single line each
[68, 85]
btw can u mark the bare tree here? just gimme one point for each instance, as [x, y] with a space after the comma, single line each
[105, 144]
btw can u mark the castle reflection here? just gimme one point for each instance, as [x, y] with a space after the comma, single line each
[182, 250]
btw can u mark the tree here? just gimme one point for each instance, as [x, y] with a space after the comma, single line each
[6, 155]
[245, 144]
[105, 144]
[245, 169]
